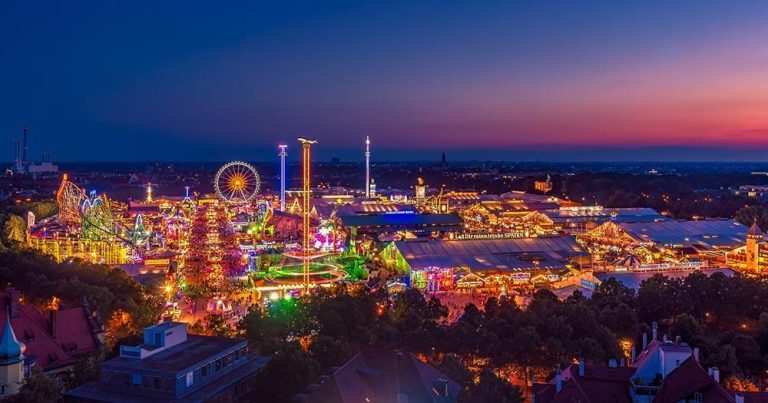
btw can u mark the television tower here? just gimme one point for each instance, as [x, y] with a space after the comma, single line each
[149, 192]
[282, 155]
[367, 167]
[305, 206]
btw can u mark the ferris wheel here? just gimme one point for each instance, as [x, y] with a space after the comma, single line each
[237, 182]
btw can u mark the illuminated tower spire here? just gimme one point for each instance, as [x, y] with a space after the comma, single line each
[282, 155]
[305, 207]
[186, 195]
[367, 167]
[149, 192]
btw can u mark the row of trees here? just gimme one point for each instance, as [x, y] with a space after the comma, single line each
[306, 337]
[110, 291]
[723, 316]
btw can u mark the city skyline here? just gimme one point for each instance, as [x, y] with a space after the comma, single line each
[597, 81]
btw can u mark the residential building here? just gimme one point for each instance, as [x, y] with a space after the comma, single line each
[172, 365]
[377, 375]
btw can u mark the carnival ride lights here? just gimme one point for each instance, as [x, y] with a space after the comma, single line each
[306, 194]
[282, 155]
[237, 182]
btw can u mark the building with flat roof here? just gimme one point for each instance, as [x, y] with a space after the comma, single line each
[172, 365]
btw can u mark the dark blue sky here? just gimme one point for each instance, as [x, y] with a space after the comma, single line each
[567, 80]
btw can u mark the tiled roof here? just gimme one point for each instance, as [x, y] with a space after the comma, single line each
[690, 378]
[380, 375]
[52, 344]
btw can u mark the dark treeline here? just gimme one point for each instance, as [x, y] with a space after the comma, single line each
[107, 290]
[680, 196]
[723, 316]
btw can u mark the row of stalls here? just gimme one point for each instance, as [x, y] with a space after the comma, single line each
[663, 245]
[491, 264]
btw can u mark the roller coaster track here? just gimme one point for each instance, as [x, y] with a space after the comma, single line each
[108, 232]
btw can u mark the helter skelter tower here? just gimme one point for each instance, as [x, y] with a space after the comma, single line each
[305, 205]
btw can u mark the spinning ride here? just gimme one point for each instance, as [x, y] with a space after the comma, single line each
[237, 182]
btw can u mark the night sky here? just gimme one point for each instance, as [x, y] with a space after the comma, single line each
[555, 80]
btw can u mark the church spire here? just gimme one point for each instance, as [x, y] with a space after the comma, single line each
[11, 349]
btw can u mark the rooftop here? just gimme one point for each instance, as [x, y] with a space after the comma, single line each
[492, 254]
[178, 357]
[406, 218]
[708, 233]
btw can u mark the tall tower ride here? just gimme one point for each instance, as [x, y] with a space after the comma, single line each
[306, 207]
[367, 167]
[282, 155]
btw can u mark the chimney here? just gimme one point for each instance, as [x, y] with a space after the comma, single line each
[696, 354]
[623, 363]
[716, 374]
[655, 330]
[738, 398]
[581, 366]
[634, 354]
[13, 301]
[677, 339]
[558, 381]
[645, 341]
[666, 339]
[26, 148]
[709, 371]
[52, 320]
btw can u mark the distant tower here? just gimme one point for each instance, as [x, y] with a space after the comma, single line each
[421, 192]
[11, 359]
[282, 155]
[149, 192]
[186, 195]
[16, 157]
[754, 237]
[367, 167]
[306, 145]
[442, 161]
[26, 148]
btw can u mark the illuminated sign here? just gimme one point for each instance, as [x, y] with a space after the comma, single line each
[504, 235]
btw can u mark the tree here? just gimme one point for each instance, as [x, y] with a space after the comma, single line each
[15, 230]
[287, 373]
[491, 388]
[329, 352]
[687, 328]
[753, 214]
[37, 387]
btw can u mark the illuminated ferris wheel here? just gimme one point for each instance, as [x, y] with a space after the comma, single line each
[237, 182]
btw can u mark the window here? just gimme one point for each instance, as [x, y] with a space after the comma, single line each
[218, 364]
[136, 379]
[158, 384]
[190, 378]
[126, 378]
[204, 371]
[2, 389]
